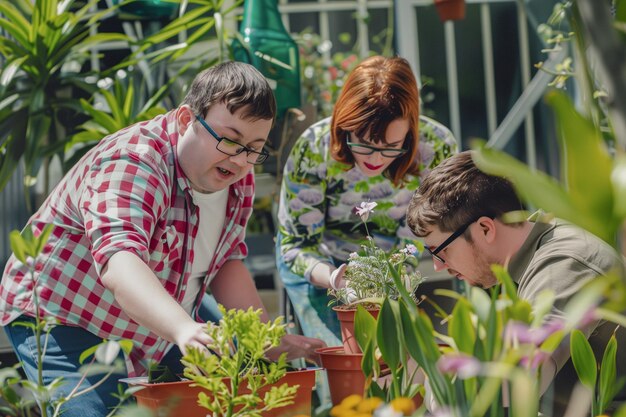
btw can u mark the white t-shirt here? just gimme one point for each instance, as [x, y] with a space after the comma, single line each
[212, 212]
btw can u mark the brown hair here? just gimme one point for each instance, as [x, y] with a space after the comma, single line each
[378, 91]
[238, 85]
[455, 193]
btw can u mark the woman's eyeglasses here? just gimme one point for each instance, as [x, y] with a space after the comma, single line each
[362, 149]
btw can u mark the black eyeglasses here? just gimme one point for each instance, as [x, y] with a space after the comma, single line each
[362, 149]
[232, 148]
[458, 232]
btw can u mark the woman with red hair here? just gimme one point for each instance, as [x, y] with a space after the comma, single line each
[374, 148]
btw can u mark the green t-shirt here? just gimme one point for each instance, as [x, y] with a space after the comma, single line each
[561, 257]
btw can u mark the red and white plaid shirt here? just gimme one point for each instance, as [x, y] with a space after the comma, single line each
[128, 193]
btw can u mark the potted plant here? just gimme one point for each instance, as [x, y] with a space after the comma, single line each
[450, 9]
[232, 378]
[370, 281]
[45, 44]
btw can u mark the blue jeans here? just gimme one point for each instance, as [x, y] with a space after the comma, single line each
[310, 304]
[64, 347]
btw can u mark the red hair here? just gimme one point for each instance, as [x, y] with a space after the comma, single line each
[378, 91]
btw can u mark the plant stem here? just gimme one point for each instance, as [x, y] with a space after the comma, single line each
[40, 350]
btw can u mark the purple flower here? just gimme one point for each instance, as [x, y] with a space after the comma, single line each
[536, 360]
[311, 218]
[296, 204]
[405, 232]
[379, 191]
[409, 249]
[310, 196]
[397, 212]
[403, 198]
[459, 364]
[589, 317]
[336, 212]
[355, 175]
[350, 198]
[518, 332]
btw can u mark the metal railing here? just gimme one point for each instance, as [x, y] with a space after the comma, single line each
[13, 213]
[520, 113]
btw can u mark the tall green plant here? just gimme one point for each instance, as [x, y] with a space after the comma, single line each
[493, 347]
[111, 109]
[202, 21]
[43, 46]
[21, 395]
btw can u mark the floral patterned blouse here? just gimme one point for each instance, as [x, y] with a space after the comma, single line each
[318, 195]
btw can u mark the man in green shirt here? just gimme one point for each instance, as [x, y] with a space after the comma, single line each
[458, 210]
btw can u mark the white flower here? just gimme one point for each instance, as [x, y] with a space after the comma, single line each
[365, 210]
[107, 352]
[387, 411]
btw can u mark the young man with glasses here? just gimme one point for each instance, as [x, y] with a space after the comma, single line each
[374, 148]
[143, 225]
[459, 212]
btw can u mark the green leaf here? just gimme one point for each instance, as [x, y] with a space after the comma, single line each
[364, 327]
[542, 191]
[608, 375]
[524, 396]
[618, 180]
[42, 239]
[387, 333]
[583, 146]
[461, 327]
[10, 69]
[553, 341]
[87, 353]
[18, 246]
[504, 278]
[583, 359]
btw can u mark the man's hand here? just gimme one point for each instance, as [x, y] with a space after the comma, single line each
[297, 346]
[192, 334]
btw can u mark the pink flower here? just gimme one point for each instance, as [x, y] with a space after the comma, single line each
[589, 317]
[345, 64]
[410, 249]
[365, 209]
[460, 364]
[517, 332]
[536, 360]
[333, 73]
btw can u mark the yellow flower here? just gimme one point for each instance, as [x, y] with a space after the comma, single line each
[404, 405]
[351, 401]
[368, 405]
[339, 411]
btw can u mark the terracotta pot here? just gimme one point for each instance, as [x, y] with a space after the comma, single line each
[346, 321]
[182, 400]
[450, 9]
[345, 376]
